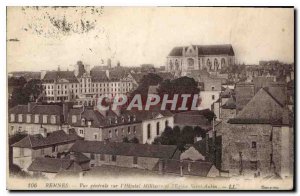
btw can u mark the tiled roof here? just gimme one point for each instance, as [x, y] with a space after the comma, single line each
[37, 109]
[98, 120]
[261, 109]
[99, 76]
[197, 168]
[230, 103]
[225, 49]
[53, 138]
[150, 114]
[53, 165]
[54, 76]
[191, 119]
[125, 149]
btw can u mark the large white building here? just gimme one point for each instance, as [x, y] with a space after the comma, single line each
[184, 59]
[84, 87]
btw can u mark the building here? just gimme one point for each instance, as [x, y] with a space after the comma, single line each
[84, 86]
[193, 119]
[142, 156]
[186, 59]
[42, 145]
[153, 123]
[74, 165]
[251, 140]
[95, 125]
[210, 87]
[29, 118]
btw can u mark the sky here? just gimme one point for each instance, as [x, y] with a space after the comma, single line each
[44, 38]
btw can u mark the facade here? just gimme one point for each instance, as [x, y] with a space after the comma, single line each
[185, 59]
[42, 145]
[93, 125]
[252, 139]
[83, 86]
[29, 118]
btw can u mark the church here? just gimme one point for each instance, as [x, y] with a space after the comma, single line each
[185, 59]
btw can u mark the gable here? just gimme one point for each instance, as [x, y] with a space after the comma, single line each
[262, 106]
[192, 154]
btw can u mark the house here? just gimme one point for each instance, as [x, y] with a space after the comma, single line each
[95, 125]
[74, 165]
[41, 145]
[249, 145]
[142, 156]
[29, 118]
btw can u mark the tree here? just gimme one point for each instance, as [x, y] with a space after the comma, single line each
[134, 140]
[183, 85]
[199, 132]
[125, 140]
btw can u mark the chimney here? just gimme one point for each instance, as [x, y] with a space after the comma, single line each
[43, 131]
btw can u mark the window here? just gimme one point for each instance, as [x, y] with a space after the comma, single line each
[110, 134]
[213, 97]
[36, 118]
[157, 128]
[54, 149]
[134, 130]
[148, 131]
[44, 118]
[222, 62]
[128, 129]
[114, 158]
[253, 145]
[95, 136]
[20, 118]
[216, 64]
[12, 117]
[253, 165]
[135, 160]
[74, 118]
[166, 123]
[212, 88]
[208, 64]
[81, 131]
[28, 119]
[102, 157]
[53, 119]
[92, 156]
[116, 132]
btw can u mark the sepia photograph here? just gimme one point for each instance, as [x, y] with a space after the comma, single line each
[150, 98]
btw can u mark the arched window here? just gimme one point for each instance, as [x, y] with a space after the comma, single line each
[148, 131]
[208, 64]
[171, 65]
[190, 63]
[166, 123]
[176, 65]
[223, 63]
[216, 64]
[157, 128]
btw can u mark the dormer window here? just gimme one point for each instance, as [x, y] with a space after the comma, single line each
[123, 119]
[116, 120]
[45, 120]
[128, 118]
[83, 121]
[28, 118]
[109, 121]
[134, 118]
